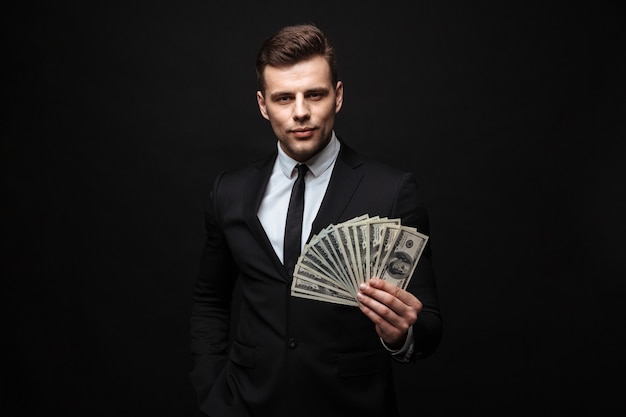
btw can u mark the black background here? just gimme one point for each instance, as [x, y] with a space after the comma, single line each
[118, 116]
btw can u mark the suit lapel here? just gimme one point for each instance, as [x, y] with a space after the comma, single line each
[343, 183]
[252, 196]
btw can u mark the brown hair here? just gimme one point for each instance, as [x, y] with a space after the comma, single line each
[292, 44]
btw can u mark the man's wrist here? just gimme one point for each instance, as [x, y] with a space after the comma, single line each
[404, 353]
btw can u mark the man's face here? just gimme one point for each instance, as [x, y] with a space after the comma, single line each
[300, 102]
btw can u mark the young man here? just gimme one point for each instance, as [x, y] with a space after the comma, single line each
[291, 355]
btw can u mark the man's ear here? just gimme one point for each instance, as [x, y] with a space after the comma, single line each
[262, 106]
[338, 96]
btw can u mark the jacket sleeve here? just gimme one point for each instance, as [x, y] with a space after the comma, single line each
[211, 303]
[427, 329]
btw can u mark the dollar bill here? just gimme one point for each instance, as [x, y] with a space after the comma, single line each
[386, 243]
[401, 260]
[346, 248]
[376, 234]
[334, 249]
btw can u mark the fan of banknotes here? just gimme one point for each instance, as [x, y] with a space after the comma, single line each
[336, 261]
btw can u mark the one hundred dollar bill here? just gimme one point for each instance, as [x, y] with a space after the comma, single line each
[401, 260]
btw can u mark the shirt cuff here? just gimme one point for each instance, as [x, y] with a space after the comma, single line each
[406, 351]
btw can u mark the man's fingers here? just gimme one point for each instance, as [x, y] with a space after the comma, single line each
[392, 289]
[386, 296]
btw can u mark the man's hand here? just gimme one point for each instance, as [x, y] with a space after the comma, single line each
[392, 310]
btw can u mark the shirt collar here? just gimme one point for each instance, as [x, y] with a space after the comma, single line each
[318, 164]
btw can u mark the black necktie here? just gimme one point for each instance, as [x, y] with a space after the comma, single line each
[293, 225]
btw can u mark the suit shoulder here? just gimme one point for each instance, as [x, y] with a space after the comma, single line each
[244, 172]
[372, 164]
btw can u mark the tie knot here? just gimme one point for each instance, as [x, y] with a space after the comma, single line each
[302, 169]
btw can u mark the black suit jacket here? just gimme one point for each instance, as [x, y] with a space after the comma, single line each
[288, 355]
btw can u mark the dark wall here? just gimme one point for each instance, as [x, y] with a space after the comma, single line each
[119, 115]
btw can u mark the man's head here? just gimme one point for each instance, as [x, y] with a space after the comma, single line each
[298, 89]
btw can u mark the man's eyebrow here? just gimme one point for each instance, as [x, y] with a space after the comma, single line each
[278, 94]
[318, 90]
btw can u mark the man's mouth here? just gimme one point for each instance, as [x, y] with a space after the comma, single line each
[302, 132]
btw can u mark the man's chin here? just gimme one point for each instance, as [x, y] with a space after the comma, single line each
[303, 151]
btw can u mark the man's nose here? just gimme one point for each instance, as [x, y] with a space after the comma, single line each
[301, 109]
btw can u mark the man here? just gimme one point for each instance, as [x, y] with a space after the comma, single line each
[289, 355]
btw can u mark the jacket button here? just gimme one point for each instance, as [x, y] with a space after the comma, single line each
[292, 343]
